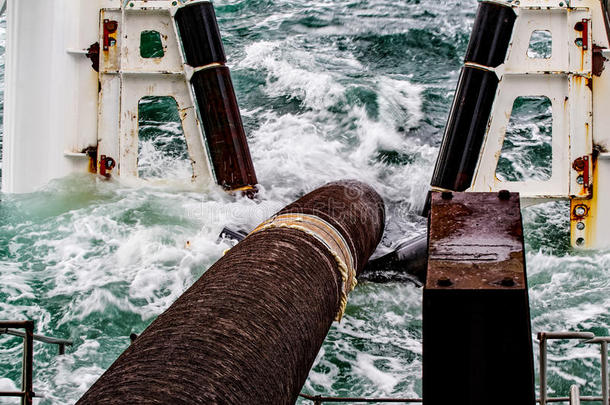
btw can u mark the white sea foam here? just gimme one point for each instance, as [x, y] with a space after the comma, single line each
[112, 255]
[7, 384]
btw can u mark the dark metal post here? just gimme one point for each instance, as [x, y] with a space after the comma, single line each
[474, 97]
[248, 331]
[28, 358]
[542, 372]
[6, 327]
[477, 346]
[216, 101]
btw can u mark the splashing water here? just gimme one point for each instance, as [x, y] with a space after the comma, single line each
[328, 89]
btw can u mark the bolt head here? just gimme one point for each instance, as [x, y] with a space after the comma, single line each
[444, 282]
[504, 195]
[507, 282]
[580, 211]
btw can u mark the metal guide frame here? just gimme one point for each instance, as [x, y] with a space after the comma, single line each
[564, 79]
[574, 80]
[126, 77]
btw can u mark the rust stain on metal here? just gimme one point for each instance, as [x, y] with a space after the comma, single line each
[110, 29]
[583, 211]
[585, 34]
[476, 241]
[106, 165]
[598, 61]
[93, 53]
[91, 152]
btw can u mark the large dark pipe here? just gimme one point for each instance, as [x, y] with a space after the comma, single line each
[248, 331]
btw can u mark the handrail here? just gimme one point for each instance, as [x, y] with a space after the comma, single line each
[574, 395]
[27, 392]
[62, 343]
[573, 399]
[318, 399]
[588, 338]
[8, 328]
[603, 341]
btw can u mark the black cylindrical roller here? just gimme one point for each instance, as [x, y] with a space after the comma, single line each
[248, 331]
[199, 34]
[491, 34]
[408, 262]
[223, 127]
[459, 154]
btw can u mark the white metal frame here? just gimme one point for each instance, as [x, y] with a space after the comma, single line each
[128, 77]
[580, 100]
[57, 107]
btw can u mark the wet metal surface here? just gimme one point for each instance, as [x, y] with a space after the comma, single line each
[476, 322]
[476, 241]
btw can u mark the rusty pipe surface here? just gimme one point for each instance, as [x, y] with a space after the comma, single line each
[248, 331]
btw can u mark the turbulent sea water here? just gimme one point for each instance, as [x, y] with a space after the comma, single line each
[329, 89]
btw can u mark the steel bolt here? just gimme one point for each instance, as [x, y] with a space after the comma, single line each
[580, 226]
[507, 282]
[447, 195]
[580, 241]
[504, 195]
[580, 210]
[580, 180]
[444, 282]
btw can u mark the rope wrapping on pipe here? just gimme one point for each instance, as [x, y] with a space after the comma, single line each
[248, 331]
[330, 237]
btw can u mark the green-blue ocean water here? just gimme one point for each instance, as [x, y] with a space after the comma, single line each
[328, 89]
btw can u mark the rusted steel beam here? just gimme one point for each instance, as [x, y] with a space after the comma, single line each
[477, 346]
[248, 331]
